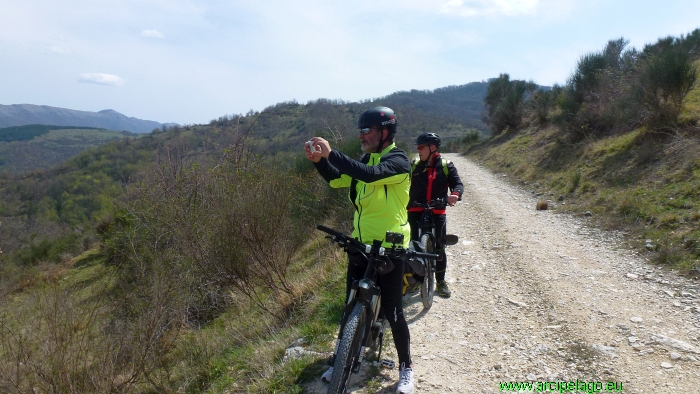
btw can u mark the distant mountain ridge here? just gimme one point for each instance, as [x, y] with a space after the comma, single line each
[26, 114]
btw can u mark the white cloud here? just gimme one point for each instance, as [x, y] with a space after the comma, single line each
[468, 8]
[101, 79]
[152, 34]
[57, 49]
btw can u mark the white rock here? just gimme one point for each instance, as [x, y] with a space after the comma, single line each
[675, 356]
[298, 352]
[609, 350]
[636, 319]
[517, 303]
[666, 365]
[675, 343]
[539, 349]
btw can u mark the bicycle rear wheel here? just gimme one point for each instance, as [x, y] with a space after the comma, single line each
[348, 350]
[427, 289]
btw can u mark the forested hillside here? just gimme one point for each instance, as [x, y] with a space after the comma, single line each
[47, 205]
[34, 147]
[455, 111]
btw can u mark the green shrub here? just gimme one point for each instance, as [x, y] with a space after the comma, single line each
[50, 250]
[667, 77]
[504, 102]
[234, 226]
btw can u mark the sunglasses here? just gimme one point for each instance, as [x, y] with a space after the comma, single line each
[367, 130]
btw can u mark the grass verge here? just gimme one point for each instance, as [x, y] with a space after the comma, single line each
[643, 183]
[242, 351]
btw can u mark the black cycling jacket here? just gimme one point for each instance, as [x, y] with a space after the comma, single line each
[428, 182]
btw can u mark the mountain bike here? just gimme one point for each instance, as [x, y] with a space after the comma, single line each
[362, 326]
[427, 243]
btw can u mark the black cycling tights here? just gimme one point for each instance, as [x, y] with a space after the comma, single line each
[392, 301]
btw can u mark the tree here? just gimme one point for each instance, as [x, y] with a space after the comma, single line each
[504, 102]
[667, 76]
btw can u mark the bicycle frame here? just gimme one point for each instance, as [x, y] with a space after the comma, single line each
[427, 222]
[427, 241]
[367, 293]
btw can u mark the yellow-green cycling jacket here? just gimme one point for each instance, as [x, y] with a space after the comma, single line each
[379, 184]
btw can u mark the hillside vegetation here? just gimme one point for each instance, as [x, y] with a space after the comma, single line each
[619, 142]
[34, 147]
[40, 206]
[184, 250]
[182, 261]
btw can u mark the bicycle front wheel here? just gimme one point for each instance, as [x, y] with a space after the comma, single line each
[348, 350]
[427, 289]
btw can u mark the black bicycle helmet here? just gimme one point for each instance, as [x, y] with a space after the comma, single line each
[378, 117]
[428, 139]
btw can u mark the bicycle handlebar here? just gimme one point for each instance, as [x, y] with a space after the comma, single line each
[438, 203]
[344, 239]
[395, 251]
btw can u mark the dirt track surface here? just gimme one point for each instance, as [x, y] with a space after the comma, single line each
[539, 296]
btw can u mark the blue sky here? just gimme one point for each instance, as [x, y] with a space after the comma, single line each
[192, 61]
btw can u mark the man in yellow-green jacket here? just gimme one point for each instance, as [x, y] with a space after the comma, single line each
[379, 186]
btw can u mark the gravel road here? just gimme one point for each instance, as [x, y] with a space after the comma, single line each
[539, 296]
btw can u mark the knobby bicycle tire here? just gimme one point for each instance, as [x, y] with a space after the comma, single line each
[348, 349]
[427, 289]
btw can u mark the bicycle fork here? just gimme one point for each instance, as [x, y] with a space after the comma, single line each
[364, 292]
[376, 335]
[430, 231]
[373, 336]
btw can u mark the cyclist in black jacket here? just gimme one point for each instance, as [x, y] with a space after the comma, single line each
[433, 177]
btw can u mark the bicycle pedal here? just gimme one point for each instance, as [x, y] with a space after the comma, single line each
[385, 363]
